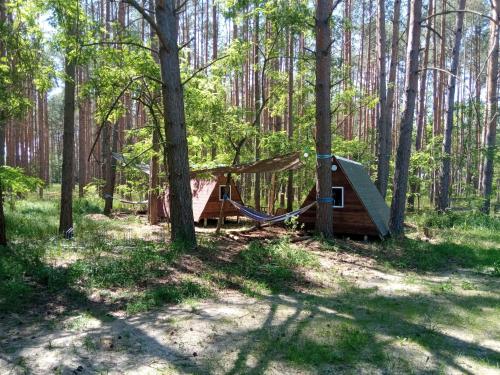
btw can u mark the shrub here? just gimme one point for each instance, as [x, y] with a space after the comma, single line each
[458, 220]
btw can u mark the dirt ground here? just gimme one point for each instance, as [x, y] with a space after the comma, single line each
[233, 333]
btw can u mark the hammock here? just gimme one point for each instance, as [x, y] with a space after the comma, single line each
[266, 218]
[106, 196]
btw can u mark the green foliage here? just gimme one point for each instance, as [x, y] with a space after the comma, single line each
[459, 251]
[13, 287]
[458, 220]
[16, 181]
[89, 205]
[25, 58]
[356, 149]
[32, 221]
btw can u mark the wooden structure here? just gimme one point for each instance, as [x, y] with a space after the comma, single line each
[208, 195]
[359, 209]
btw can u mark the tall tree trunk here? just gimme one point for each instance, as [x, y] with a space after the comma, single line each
[477, 101]
[3, 233]
[289, 185]
[492, 110]
[3, 122]
[415, 187]
[105, 153]
[66, 214]
[215, 30]
[181, 208]
[324, 216]
[82, 141]
[391, 84]
[347, 61]
[257, 105]
[404, 147]
[153, 181]
[422, 87]
[116, 131]
[382, 130]
[154, 195]
[215, 38]
[444, 180]
[109, 187]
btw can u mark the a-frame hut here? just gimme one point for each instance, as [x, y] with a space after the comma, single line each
[358, 207]
[208, 195]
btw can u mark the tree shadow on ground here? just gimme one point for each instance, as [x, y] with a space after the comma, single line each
[348, 331]
[420, 255]
[341, 334]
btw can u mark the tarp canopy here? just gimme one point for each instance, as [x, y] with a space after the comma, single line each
[277, 164]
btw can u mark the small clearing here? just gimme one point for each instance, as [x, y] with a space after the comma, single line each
[280, 304]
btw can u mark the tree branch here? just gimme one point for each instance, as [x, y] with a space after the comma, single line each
[461, 11]
[186, 44]
[119, 43]
[111, 109]
[182, 5]
[432, 29]
[441, 70]
[149, 19]
[203, 68]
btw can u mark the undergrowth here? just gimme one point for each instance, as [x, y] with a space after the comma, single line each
[102, 256]
[35, 256]
[464, 220]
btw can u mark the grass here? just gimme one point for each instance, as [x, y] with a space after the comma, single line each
[448, 286]
[324, 341]
[160, 295]
[273, 262]
[135, 264]
[100, 256]
[260, 268]
[464, 247]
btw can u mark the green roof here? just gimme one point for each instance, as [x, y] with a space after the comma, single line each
[367, 193]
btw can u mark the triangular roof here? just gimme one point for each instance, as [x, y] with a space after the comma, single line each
[367, 192]
[201, 191]
[206, 198]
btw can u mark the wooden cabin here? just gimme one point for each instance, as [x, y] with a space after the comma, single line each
[208, 195]
[358, 207]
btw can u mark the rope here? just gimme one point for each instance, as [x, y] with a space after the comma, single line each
[106, 196]
[325, 200]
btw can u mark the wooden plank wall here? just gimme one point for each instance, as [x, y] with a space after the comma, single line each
[206, 204]
[212, 207]
[352, 219]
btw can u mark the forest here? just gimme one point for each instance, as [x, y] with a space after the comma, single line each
[249, 186]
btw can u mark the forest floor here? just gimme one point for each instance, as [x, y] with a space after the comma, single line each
[117, 299]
